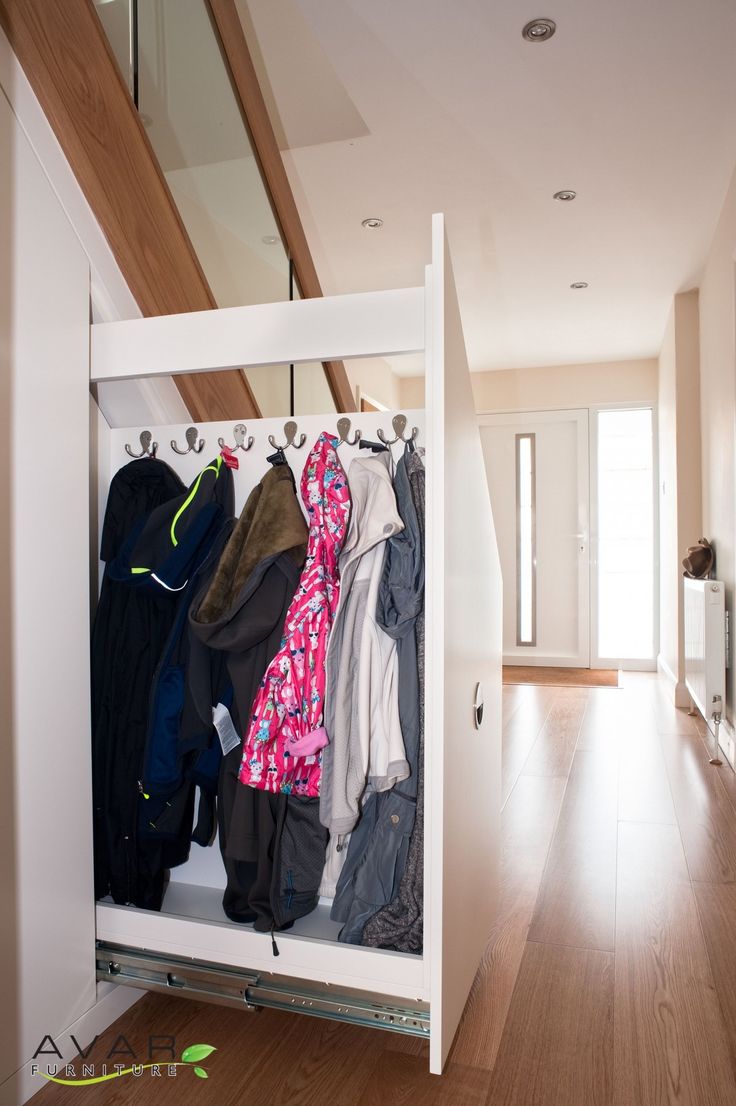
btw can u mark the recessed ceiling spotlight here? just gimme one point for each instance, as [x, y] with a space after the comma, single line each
[566, 196]
[576, 284]
[539, 30]
[270, 239]
[372, 224]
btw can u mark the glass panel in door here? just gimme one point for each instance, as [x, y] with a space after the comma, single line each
[624, 563]
[537, 466]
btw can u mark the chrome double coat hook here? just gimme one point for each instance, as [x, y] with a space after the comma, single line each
[240, 431]
[148, 446]
[399, 424]
[290, 432]
[193, 446]
[343, 432]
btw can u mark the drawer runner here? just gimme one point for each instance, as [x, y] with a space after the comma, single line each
[152, 971]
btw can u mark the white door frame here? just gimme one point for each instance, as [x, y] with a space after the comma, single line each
[621, 662]
[579, 415]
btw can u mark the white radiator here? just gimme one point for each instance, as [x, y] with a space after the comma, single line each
[705, 645]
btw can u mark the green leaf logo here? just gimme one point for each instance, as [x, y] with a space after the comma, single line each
[195, 1053]
[201, 1073]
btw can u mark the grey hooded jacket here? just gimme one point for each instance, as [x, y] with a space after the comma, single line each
[380, 847]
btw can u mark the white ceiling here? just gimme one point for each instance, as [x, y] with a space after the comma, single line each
[402, 109]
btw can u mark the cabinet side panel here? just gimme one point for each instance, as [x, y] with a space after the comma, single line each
[8, 919]
[48, 930]
[464, 597]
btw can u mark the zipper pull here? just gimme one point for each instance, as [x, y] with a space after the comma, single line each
[141, 791]
[274, 946]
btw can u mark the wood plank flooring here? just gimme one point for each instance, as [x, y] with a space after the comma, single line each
[609, 977]
[560, 677]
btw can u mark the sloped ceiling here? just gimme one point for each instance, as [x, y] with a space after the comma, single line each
[430, 106]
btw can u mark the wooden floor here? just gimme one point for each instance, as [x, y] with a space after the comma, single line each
[610, 976]
[560, 677]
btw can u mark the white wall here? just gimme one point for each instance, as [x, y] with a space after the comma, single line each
[376, 380]
[668, 537]
[718, 404]
[554, 387]
[680, 498]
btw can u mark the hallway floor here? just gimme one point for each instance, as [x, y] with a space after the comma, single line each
[610, 977]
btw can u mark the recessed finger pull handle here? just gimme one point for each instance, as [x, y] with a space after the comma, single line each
[478, 706]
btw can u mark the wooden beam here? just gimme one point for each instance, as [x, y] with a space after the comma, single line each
[66, 57]
[237, 57]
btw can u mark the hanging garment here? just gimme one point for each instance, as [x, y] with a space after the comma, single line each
[128, 636]
[282, 748]
[400, 924]
[182, 751]
[162, 550]
[380, 846]
[361, 713]
[236, 623]
[167, 546]
[400, 601]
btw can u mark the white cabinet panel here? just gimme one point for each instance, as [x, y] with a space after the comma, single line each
[464, 616]
[47, 912]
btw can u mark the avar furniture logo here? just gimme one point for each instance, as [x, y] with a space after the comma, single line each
[87, 1074]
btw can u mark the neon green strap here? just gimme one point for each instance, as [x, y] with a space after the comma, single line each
[210, 468]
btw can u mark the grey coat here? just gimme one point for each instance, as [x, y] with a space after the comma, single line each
[380, 847]
[399, 925]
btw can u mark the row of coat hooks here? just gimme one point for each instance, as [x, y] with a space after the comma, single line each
[244, 441]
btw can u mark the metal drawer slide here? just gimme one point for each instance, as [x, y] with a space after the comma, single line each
[229, 987]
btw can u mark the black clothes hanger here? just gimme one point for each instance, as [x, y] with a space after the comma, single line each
[375, 447]
[277, 458]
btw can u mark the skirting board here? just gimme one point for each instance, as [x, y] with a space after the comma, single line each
[680, 694]
[111, 1003]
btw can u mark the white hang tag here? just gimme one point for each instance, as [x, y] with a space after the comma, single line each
[226, 731]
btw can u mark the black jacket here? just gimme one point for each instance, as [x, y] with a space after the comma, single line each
[155, 555]
[128, 636]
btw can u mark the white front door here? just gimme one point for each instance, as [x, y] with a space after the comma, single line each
[537, 466]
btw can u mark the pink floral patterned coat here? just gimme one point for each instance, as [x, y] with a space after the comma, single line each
[281, 751]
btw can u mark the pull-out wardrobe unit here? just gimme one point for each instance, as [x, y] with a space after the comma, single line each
[190, 945]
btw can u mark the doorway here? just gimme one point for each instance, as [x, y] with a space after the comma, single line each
[573, 496]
